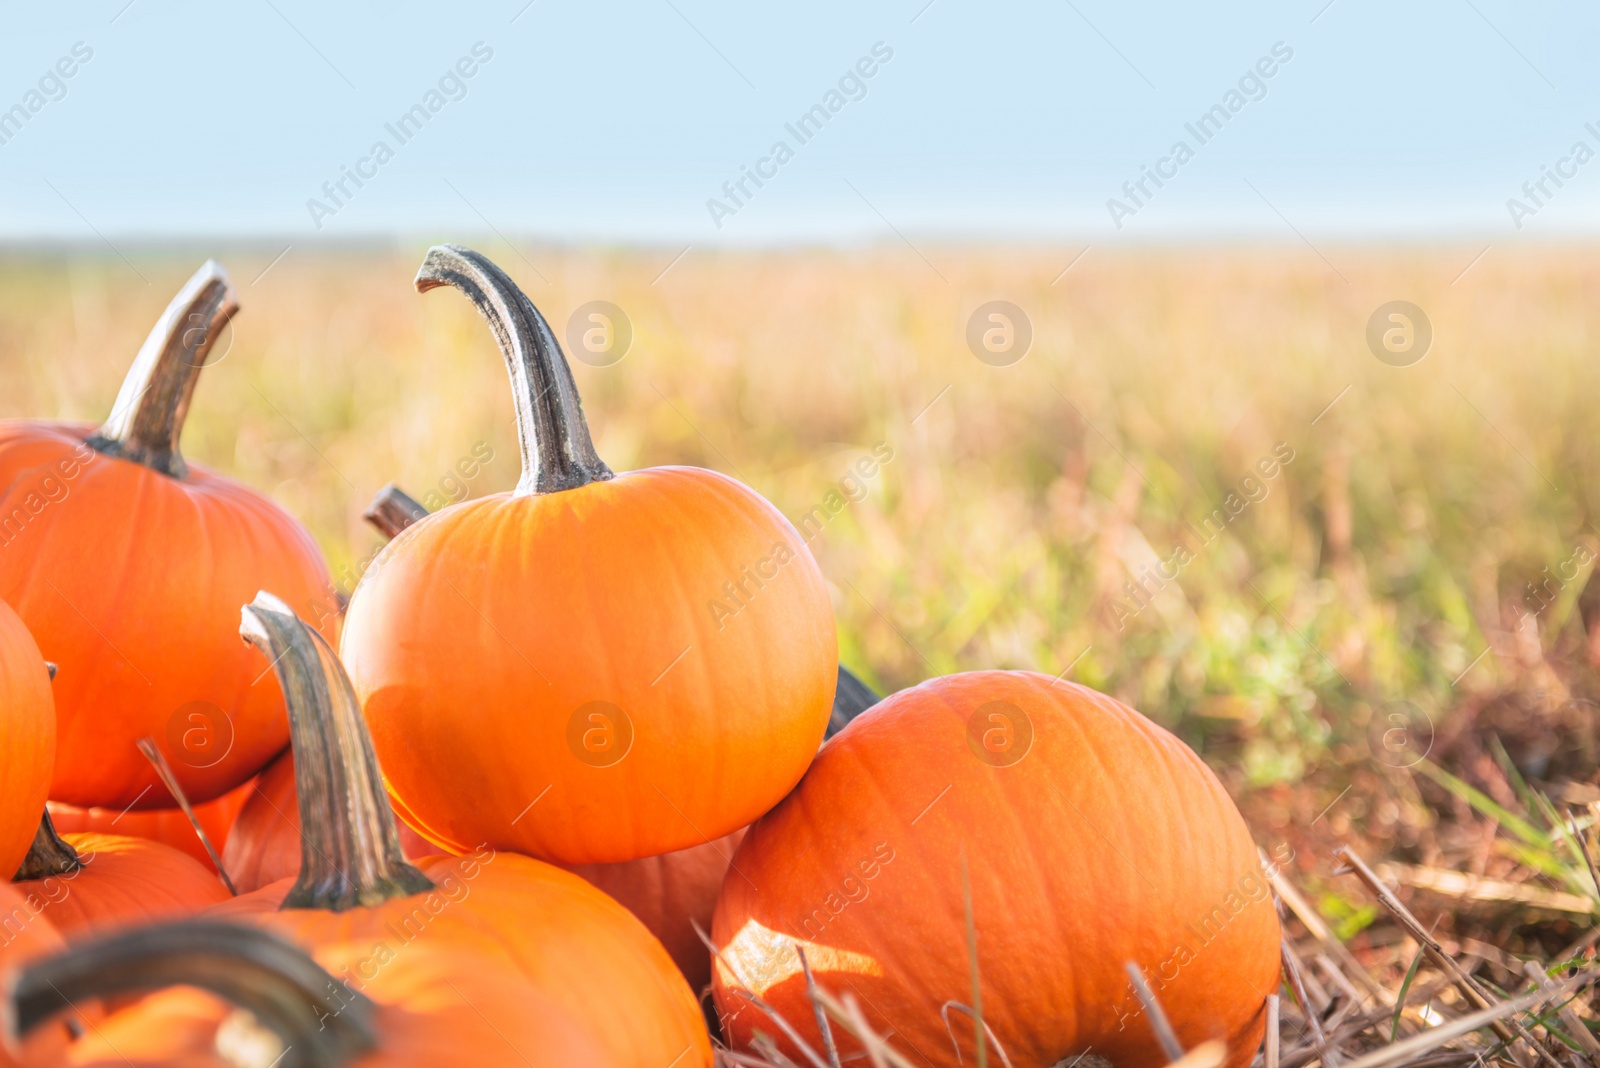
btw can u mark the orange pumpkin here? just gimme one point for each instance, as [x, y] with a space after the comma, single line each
[620, 665]
[27, 738]
[265, 844]
[26, 935]
[92, 882]
[438, 1005]
[129, 564]
[169, 826]
[1092, 838]
[577, 947]
[671, 894]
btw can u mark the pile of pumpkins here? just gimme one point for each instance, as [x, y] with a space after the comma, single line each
[486, 812]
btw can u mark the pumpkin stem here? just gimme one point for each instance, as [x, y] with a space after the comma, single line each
[147, 419]
[392, 510]
[557, 451]
[49, 855]
[317, 1021]
[349, 845]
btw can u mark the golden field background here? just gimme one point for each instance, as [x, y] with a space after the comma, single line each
[1387, 556]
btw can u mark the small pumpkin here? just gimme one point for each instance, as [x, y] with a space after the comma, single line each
[264, 846]
[245, 997]
[169, 826]
[27, 738]
[655, 649]
[129, 564]
[1091, 838]
[673, 893]
[577, 947]
[92, 882]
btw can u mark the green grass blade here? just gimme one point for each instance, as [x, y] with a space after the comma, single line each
[1486, 805]
[1405, 988]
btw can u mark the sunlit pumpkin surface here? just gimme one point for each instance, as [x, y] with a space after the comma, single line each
[1090, 838]
[564, 654]
[131, 581]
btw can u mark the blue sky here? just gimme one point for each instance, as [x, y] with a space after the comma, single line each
[1010, 121]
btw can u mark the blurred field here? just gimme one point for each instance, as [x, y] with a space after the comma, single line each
[1394, 548]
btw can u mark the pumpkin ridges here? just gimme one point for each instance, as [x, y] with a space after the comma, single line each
[770, 653]
[110, 656]
[122, 880]
[670, 893]
[1131, 796]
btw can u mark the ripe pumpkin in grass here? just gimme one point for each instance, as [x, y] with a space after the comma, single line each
[129, 566]
[93, 882]
[243, 996]
[1091, 838]
[356, 892]
[652, 653]
[169, 826]
[27, 738]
